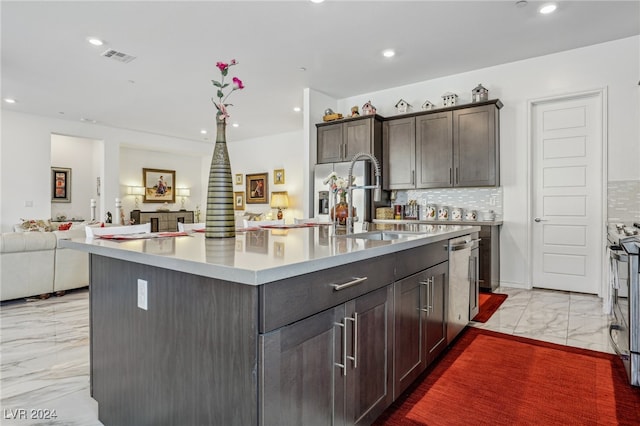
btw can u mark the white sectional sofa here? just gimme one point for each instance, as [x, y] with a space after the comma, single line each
[32, 264]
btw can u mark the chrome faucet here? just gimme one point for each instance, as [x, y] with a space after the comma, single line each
[377, 190]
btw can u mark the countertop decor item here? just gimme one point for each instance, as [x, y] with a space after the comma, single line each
[402, 106]
[338, 186]
[220, 220]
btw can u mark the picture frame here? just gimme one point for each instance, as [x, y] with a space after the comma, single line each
[238, 180]
[257, 188]
[154, 190]
[257, 242]
[60, 185]
[238, 200]
[278, 177]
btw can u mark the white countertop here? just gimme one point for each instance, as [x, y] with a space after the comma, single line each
[259, 257]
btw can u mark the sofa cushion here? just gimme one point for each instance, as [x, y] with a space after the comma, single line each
[12, 242]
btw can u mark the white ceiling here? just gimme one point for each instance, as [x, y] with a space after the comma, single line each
[51, 70]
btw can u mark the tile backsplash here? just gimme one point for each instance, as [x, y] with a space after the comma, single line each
[480, 199]
[623, 203]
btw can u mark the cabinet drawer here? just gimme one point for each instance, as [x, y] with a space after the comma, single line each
[417, 259]
[286, 301]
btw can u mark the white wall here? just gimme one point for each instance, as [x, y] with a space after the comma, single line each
[614, 65]
[265, 154]
[78, 154]
[25, 161]
[188, 175]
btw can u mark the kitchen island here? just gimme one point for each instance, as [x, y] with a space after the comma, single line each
[272, 327]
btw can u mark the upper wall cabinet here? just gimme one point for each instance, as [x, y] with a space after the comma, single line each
[453, 147]
[341, 140]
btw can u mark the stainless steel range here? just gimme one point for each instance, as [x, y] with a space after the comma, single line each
[624, 329]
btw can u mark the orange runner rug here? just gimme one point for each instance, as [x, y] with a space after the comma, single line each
[489, 378]
[489, 304]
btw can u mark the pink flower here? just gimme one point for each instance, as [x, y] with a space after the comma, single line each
[237, 83]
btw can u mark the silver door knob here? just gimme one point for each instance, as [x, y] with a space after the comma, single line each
[537, 219]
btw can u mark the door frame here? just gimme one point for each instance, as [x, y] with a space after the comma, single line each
[600, 93]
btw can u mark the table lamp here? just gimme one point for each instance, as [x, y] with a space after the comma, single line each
[136, 190]
[183, 192]
[280, 200]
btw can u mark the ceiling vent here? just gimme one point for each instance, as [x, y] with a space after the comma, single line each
[118, 56]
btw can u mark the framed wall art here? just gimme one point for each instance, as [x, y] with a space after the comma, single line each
[257, 188]
[60, 185]
[238, 179]
[159, 185]
[278, 177]
[238, 200]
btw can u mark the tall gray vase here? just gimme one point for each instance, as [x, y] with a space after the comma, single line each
[220, 220]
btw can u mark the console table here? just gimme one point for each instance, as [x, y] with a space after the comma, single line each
[162, 221]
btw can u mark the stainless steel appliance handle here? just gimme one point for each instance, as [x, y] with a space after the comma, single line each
[465, 245]
[338, 287]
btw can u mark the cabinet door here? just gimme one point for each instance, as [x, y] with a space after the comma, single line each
[436, 297]
[434, 150]
[399, 153]
[369, 381]
[409, 314]
[474, 284]
[357, 137]
[330, 143]
[475, 146]
[301, 383]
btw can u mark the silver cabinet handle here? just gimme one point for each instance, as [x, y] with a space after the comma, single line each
[450, 176]
[413, 177]
[537, 219]
[338, 287]
[457, 176]
[432, 281]
[354, 358]
[344, 348]
[462, 246]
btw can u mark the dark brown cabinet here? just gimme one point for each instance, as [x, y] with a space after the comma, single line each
[340, 141]
[476, 146]
[331, 368]
[420, 323]
[456, 147]
[489, 258]
[399, 164]
[162, 221]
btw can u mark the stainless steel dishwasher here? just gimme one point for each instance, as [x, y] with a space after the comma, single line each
[459, 282]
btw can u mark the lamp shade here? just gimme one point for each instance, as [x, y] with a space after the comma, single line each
[280, 200]
[135, 190]
[183, 192]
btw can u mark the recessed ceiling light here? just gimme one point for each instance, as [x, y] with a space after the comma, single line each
[521, 3]
[302, 69]
[203, 131]
[389, 53]
[548, 8]
[10, 100]
[297, 109]
[235, 125]
[317, 1]
[95, 41]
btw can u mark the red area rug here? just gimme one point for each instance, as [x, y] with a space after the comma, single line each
[489, 304]
[490, 378]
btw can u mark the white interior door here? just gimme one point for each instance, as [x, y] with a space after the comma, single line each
[567, 193]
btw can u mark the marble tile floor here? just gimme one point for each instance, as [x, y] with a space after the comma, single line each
[44, 347]
[570, 319]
